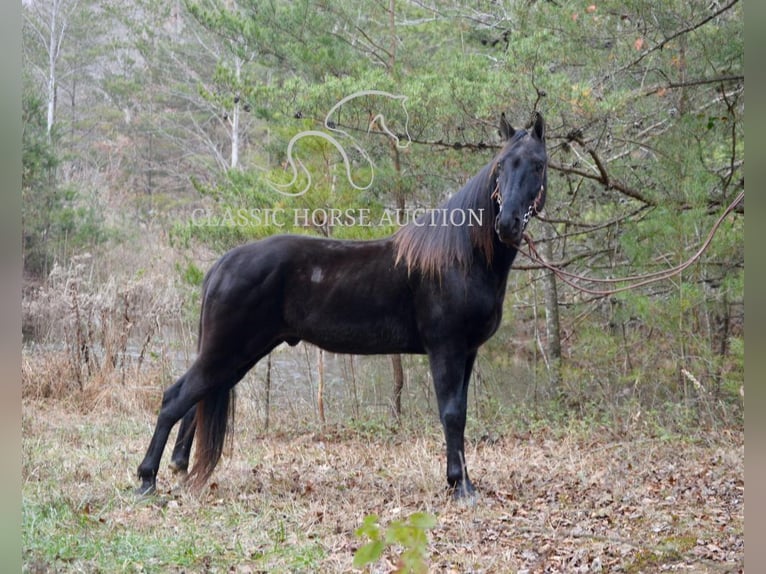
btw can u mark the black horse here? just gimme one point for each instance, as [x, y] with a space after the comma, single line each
[436, 287]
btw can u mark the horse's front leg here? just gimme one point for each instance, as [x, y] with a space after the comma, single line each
[451, 372]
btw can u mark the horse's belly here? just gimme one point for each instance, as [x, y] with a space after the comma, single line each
[362, 335]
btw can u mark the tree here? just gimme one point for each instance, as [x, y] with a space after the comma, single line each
[48, 23]
[54, 223]
[39, 163]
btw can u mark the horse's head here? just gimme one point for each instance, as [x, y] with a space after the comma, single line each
[520, 174]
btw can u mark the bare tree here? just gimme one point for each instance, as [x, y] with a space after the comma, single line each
[49, 23]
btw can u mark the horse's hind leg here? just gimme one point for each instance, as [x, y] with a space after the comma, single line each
[209, 373]
[174, 406]
[177, 400]
[179, 460]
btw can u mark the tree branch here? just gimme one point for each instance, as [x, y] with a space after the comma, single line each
[480, 146]
[584, 228]
[700, 82]
[603, 175]
[686, 30]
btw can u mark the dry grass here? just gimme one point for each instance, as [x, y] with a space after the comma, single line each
[291, 501]
[98, 343]
[48, 377]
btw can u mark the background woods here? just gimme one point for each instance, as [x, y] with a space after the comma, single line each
[138, 114]
[141, 115]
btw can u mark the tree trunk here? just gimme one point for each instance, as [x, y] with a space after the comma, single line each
[552, 326]
[268, 391]
[396, 363]
[396, 360]
[392, 31]
[53, 44]
[320, 386]
[235, 116]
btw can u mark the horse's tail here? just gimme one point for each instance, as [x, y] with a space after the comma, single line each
[213, 416]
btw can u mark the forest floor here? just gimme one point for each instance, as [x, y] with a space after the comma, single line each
[292, 500]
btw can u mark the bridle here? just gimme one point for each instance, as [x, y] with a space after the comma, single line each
[534, 207]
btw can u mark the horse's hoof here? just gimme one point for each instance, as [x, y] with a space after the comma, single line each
[178, 467]
[464, 493]
[466, 499]
[147, 488]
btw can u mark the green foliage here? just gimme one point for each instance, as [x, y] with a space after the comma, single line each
[411, 535]
[56, 222]
[191, 274]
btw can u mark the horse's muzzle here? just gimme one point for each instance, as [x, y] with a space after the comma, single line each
[509, 229]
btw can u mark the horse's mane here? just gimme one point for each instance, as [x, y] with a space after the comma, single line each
[432, 242]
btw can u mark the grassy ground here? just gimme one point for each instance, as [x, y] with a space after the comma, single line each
[291, 501]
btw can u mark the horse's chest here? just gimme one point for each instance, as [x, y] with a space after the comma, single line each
[470, 316]
[484, 319]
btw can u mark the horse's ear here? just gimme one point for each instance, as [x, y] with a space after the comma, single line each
[506, 129]
[538, 127]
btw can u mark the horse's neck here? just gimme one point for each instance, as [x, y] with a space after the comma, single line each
[502, 259]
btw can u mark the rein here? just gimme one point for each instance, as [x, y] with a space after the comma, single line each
[572, 279]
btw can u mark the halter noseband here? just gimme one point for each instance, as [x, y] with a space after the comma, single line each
[534, 208]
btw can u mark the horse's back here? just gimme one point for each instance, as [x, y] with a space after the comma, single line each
[344, 296]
